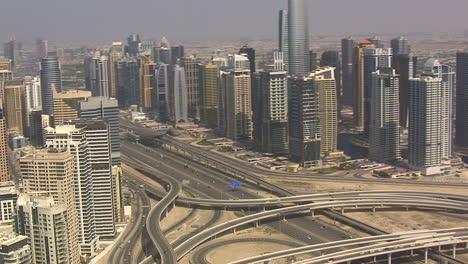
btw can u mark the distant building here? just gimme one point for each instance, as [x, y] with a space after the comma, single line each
[10, 51]
[104, 109]
[133, 44]
[44, 222]
[161, 94]
[425, 124]
[238, 62]
[147, 83]
[461, 136]
[347, 53]
[50, 80]
[236, 104]
[14, 105]
[42, 49]
[128, 82]
[66, 105]
[33, 99]
[384, 127]
[97, 75]
[179, 95]
[304, 121]
[190, 65]
[400, 46]
[117, 52]
[331, 58]
[4, 163]
[284, 37]
[298, 37]
[6, 74]
[270, 112]
[250, 52]
[177, 52]
[208, 83]
[405, 66]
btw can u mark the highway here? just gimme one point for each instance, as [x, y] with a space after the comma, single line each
[252, 170]
[362, 244]
[198, 239]
[153, 222]
[123, 247]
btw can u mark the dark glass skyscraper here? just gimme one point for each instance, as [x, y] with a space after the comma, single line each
[400, 46]
[347, 51]
[50, 79]
[298, 33]
[251, 55]
[133, 45]
[461, 124]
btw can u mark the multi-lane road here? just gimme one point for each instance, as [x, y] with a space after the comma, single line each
[194, 183]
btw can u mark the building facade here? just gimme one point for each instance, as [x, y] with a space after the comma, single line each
[461, 136]
[51, 79]
[298, 37]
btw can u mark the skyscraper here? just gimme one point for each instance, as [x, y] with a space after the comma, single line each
[250, 52]
[105, 109]
[435, 69]
[51, 173]
[384, 129]
[236, 104]
[400, 46]
[133, 44]
[284, 37]
[304, 121]
[208, 84]
[6, 74]
[270, 112]
[45, 222]
[347, 53]
[425, 124]
[14, 105]
[162, 92]
[177, 52]
[42, 49]
[179, 95]
[72, 139]
[99, 150]
[325, 85]
[66, 105]
[10, 51]
[98, 75]
[4, 168]
[147, 83]
[50, 79]
[128, 82]
[405, 66]
[116, 52]
[32, 96]
[190, 65]
[298, 37]
[461, 138]
[332, 58]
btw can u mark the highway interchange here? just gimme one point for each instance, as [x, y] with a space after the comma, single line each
[198, 179]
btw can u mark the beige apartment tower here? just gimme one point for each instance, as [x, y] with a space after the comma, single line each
[14, 102]
[51, 174]
[324, 79]
[4, 171]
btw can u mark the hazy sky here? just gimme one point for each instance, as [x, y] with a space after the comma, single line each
[107, 20]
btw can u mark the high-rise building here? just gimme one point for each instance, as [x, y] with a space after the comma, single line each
[377, 42]
[238, 62]
[51, 174]
[278, 61]
[284, 37]
[6, 74]
[42, 49]
[161, 94]
[461, 136]
[331, 58]
[164, 52]
[177, 52]
[4, 164]
[236, 112]
[133, 45]
[313, 65]
[147, 83]
[8, 198]
[72, 139]
[66, 105]
[99, 150]
[10, 51]
[250, 52]
[435, 69]
[44, 222]
[36, 126]
[97, 76]
[425, 124]
[270, 112]
[50, 79]
[405, 66]
[32, 96]
[384, 132]
[208, 84]
[358, 82]
[117, 51]
[106, 109]
[400, 46]
[15, 249]
[347, 55]
[325, 85]
[304, 121]
[128, 82]
[298, 37]
[190, 65]
[179, 96]
[14, 105]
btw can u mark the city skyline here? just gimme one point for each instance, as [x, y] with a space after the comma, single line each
[107, 20]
